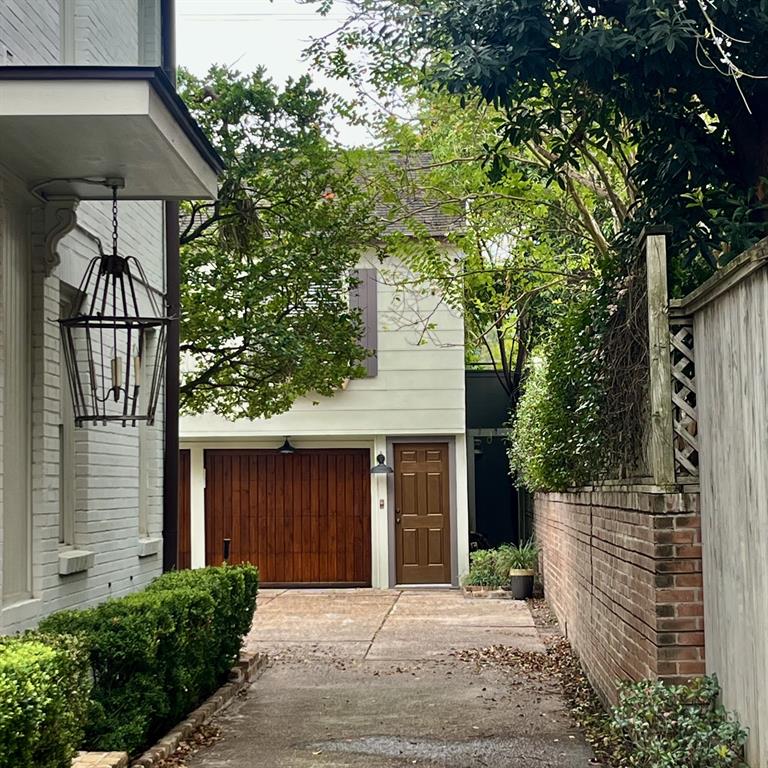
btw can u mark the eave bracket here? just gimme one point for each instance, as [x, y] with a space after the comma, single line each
[60, 218]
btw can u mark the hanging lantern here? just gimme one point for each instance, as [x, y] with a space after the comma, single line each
[114, 343]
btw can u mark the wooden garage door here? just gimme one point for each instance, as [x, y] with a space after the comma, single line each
[303, 518]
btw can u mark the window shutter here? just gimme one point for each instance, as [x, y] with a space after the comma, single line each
[363, 296]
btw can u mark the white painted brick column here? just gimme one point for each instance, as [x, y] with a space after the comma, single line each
[380, 543]
[197, 504]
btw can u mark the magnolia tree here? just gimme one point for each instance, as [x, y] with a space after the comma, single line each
[679, 87]
[663, 102]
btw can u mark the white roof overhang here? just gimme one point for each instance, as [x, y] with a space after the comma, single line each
[59, 125]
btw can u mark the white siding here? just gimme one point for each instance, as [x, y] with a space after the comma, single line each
[106, 32]
[419, 389]
[30, 32]
[731, 336]
[150, 54]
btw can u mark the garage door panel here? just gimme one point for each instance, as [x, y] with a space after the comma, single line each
[308, 558]
[303, 518]
[237, 490]
[314, 516]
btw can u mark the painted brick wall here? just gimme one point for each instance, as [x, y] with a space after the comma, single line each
[107, 32]
[622, 571]
[107, 497]
[107, 461]
[107, 494]
[30, 32]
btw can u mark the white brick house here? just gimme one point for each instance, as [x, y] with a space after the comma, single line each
[81, 96]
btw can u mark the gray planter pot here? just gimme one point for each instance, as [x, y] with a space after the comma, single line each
[521, 584]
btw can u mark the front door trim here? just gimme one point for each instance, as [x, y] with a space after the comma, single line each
[450, 441]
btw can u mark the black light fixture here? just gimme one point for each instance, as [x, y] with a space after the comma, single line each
[286, 448]
[382, 468]
[114, 343]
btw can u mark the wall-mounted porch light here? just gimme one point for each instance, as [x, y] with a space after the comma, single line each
[382, 468]
[114, 351]
[286, 448]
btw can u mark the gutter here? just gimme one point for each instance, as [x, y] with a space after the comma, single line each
[173, 289]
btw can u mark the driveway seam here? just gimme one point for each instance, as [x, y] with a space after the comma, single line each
[381, 626]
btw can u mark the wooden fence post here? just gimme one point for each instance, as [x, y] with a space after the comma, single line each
[661, 454]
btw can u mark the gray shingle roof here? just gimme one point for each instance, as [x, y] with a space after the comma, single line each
[414, 206]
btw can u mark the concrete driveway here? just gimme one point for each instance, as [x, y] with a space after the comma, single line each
[387, 625]
[372, 678]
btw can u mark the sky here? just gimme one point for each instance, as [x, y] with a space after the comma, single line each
[250, 33]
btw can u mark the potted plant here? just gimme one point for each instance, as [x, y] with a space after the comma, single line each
[517, 564]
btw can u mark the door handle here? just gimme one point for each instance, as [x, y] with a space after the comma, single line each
[397, 517]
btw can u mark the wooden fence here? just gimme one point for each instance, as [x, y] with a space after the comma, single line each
[708, 431]
[720, 417]
[672, 440]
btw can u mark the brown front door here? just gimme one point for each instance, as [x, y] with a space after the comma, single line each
[422, 513]
[302, 518]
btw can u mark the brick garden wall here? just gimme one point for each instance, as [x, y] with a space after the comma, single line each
[622, 571]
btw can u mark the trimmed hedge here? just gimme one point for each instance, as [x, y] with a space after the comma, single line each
[157, 654]
[44, 688]
[233, 589]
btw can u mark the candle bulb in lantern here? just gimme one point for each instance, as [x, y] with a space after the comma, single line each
[137, 370]
[117, 377]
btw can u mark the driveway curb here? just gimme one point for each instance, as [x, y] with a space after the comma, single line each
[248, 669]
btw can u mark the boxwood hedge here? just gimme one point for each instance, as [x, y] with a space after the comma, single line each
[155, 655]
[44, 687]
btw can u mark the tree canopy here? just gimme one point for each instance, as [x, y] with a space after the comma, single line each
[265, 268]
[525, 244]
[681, 82]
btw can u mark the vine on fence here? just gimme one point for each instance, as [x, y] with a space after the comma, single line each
[583, 414]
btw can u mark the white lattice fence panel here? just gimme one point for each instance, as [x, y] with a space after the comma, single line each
[684, 413]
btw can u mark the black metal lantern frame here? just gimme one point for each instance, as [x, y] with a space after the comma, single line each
[115, 353]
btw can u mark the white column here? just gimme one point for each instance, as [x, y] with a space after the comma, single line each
[197, 505]
[462, 507]
[379, 519]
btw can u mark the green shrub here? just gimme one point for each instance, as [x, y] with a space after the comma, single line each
[657, 725]
[233, 589]
[156, 654]
[556, 436]
[482, 569]
[490, 567]
[44, 687]
[584, 407]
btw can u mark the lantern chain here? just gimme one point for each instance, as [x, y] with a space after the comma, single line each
[114, 220]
